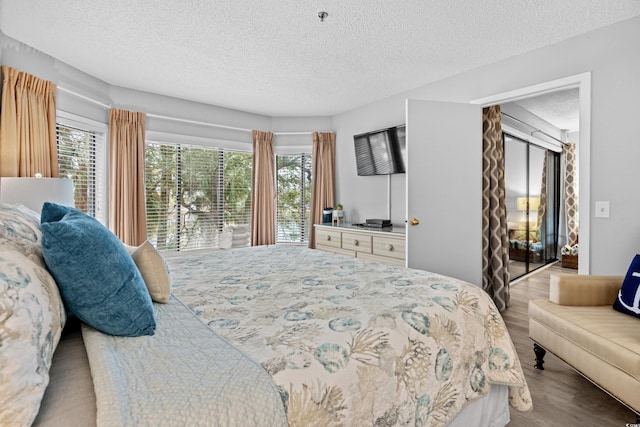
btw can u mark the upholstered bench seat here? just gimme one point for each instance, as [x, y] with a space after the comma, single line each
[579, 325]
[599, 331]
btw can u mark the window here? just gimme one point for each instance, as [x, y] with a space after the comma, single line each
[81, 158]
[197, 197]
[293, 176]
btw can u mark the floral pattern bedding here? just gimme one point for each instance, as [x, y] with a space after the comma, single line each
[353, 342]
[31, 316]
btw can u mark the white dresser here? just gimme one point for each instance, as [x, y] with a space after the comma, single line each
[386, 246]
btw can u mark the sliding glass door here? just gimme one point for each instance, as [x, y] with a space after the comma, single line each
[532, 183]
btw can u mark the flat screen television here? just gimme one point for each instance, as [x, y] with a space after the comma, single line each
[381, 152]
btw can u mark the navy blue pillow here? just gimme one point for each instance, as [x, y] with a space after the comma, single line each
[97, 278]
[628, 300]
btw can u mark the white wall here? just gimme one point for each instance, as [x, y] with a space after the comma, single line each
[612, 56]
[367, 196]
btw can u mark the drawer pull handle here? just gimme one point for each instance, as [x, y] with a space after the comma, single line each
[389, 247]
[355, 242]
[328, 238]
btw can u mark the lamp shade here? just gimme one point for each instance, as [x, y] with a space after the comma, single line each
[33, 192]
[521, 203]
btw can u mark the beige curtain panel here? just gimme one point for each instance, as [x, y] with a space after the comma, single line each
[127, 203]
[495, 255]
[263, 192]
[27, 126]
[323, 178]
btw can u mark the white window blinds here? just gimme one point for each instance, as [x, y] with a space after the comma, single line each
[197, 197]
[81, 158]
[293, 175]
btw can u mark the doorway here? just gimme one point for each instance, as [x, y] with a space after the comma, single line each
[448, 239]
[583, 83]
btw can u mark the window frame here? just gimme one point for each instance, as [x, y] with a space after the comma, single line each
[101, 132]
[179, 142]
[304, 154]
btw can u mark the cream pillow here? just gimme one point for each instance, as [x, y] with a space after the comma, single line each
[154, 270]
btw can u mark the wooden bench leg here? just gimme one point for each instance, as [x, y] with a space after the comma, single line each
[540, 352]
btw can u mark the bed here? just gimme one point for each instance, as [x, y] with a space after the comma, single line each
[353, 342]
[261, 336]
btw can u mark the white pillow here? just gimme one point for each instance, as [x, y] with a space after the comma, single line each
[20, 229]
[31, 317]
[154, 270]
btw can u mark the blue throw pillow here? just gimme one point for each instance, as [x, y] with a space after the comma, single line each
[628, 300]
[98, 280]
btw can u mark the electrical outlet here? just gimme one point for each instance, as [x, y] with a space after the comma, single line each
[602, 209]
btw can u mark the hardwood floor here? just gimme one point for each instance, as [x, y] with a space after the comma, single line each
[561, 396]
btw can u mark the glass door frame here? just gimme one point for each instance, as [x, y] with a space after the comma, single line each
[547, 254]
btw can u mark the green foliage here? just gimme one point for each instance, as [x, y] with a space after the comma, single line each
[76, 150]
[237, 187]
[190, 198]
[160, 183]
[293, 207]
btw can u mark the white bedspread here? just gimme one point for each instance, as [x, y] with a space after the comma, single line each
[183, 375]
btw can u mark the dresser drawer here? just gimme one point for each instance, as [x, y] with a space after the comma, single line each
[383, 259]
[326, 237]
[376, 245]
[388, 246]
[356, 242]
[336, 250]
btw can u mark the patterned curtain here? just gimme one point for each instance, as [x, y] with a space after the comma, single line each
[570, 191]
[127, 202]
[323, 176]
[27, 125]
[542, 209]
[495, 255]
[263, 193]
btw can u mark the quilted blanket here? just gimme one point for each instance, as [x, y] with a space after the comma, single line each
[183, 375]
[353, 342]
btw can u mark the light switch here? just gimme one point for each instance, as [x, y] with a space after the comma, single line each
[602, 209]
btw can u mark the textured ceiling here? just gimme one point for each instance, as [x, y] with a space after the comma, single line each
[277, 58]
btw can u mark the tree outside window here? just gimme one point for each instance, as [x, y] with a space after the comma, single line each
[195, 195]
[293, 175]
[79, 160]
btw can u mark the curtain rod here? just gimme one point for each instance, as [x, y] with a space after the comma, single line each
[196, 122]
[177, 119]
[536, 130]
[86, 98]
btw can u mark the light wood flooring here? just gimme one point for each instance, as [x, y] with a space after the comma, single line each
[519, 268]
[561, 396]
